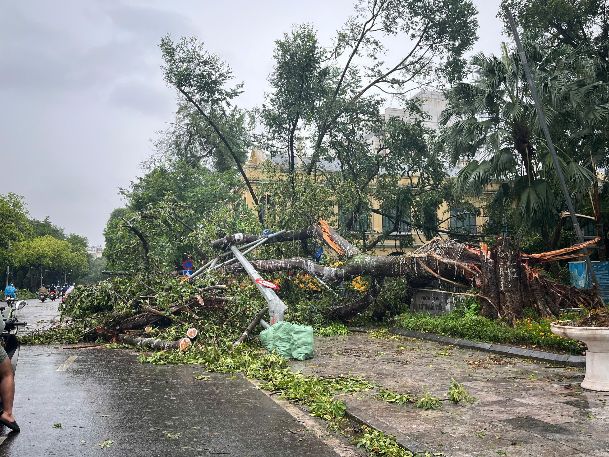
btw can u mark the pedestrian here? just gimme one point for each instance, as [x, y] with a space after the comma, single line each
[7, 389]
[9, 291]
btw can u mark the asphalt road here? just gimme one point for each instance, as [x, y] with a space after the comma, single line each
[103, 402]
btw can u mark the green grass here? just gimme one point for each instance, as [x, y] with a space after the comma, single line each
[527, 332]
[379, 444]
[333, 329]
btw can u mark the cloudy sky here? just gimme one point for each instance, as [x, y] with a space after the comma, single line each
[81, 92]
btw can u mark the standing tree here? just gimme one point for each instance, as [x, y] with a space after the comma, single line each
[574, 36]
[324, 110]
[202, 79]
[51, 255]
[15, 227]
[490, 123]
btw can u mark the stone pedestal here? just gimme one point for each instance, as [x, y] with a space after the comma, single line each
[433, 301]
[597, 355]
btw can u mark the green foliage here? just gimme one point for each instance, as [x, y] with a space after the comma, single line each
[208, 128]
[51, 253]
[15, 225]
[393, 299]
[314, 392]
[333, 329]
[428, 401]
[458, 394]
[29, 246]
[177, 209]
[46, 227]
[96, 267]
[464, 324]
[379, 444]
[294, 202]
[66, 334]
[111, 295]
[394, 397]
[491, 122]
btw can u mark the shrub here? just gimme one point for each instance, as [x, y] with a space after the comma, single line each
[466, 324]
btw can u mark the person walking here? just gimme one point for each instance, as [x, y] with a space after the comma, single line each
[7, 389]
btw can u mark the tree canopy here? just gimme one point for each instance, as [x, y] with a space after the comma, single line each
[30, 246]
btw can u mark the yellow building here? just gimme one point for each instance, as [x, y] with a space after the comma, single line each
[450, 219]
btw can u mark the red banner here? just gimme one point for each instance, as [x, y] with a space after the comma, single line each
[267, 284]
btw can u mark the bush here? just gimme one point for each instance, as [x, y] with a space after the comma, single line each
[464, 323]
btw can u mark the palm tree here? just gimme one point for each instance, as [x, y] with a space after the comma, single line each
[490, 124]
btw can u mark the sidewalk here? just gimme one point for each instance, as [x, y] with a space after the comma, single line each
[522, 407]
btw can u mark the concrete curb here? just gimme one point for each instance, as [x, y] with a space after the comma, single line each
[563, 359]
[358, 416]
[354, 414]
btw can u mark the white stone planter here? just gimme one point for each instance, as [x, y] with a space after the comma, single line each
[597, 355]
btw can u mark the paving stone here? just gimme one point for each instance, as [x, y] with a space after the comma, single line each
[522, 408]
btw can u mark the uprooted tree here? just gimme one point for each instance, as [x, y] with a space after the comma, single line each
[506, 279]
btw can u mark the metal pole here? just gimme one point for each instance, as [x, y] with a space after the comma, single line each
[276, 306]
[544, 127]
[8, 268]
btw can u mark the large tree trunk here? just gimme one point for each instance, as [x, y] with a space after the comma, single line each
[509, 280]
[505, 282]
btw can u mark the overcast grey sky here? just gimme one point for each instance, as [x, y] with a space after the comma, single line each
[81, 92]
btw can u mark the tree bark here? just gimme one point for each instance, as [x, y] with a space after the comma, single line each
[506, 284]
[151, 343]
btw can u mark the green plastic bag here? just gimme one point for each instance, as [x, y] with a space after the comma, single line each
[291, 341]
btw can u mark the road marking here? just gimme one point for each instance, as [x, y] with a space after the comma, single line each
[2, 439]
[65, 365]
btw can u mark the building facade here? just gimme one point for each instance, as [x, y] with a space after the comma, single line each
[453, 220]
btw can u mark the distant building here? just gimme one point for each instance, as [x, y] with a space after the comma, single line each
[432, 103]
[452, 220]
[95, 251]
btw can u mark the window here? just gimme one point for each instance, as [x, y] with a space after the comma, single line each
[403, 226]
[588, 227]
[361, 222]
[463, 221]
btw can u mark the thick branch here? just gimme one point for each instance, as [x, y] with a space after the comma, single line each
[228, 147]
[376, 266]
[322, 231]
[142, 239]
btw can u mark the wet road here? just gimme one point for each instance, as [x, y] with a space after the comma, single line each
[103, 402]
[39, 315]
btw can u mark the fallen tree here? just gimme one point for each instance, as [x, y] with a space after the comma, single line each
[505, 280]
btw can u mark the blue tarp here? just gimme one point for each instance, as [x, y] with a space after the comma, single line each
[580, 279]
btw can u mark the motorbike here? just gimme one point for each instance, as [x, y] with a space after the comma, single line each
[42, 297]
[10, 325]
[10, 301]
[52, 295]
